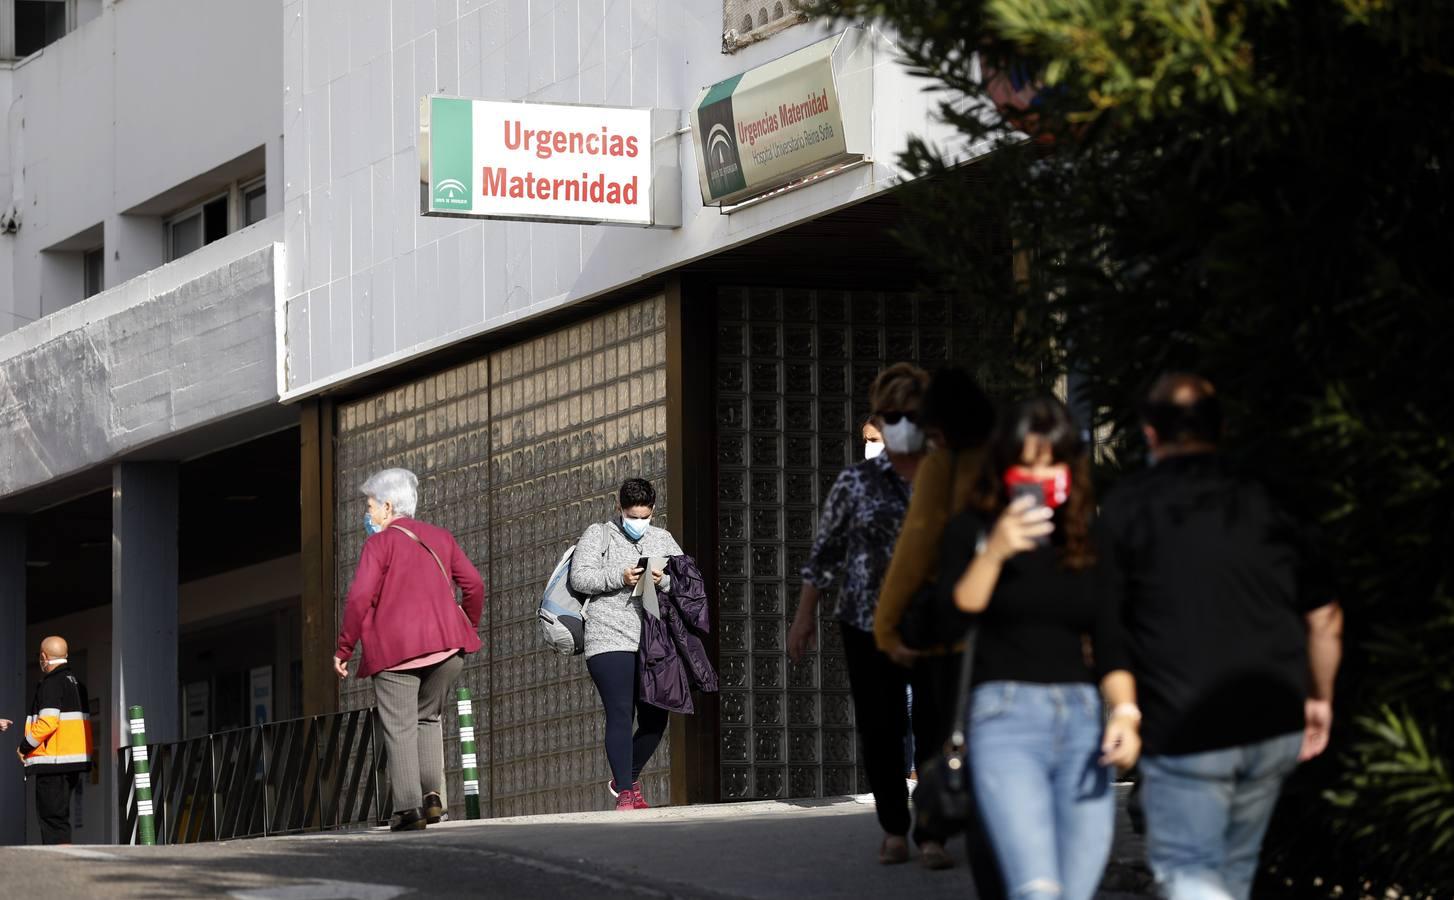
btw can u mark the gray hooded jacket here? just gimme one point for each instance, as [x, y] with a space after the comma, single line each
[604, 552]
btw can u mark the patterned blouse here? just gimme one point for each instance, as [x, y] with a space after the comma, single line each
[856, 535]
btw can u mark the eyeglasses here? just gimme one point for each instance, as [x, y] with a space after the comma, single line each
[892, 418]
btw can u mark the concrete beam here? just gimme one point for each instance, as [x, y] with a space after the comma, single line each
[184, 347]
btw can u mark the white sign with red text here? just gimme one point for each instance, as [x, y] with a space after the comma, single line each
[541, 161]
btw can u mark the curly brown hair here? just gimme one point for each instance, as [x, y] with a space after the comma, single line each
[1047, 417]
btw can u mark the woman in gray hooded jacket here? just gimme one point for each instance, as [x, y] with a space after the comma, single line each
[605, 567]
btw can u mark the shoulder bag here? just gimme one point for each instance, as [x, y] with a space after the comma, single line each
[944, 797]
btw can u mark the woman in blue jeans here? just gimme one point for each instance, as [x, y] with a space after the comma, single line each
[1026, 556]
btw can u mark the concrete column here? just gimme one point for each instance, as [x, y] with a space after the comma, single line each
[13, 702]
[144, 599]
[319, 609]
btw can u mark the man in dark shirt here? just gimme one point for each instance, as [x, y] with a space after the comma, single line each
[57, 745]
[1233, 645]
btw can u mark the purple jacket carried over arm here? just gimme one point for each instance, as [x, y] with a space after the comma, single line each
[672, 658]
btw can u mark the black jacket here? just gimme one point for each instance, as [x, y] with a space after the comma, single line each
[57, 737]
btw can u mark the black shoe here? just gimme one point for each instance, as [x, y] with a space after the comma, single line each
[434, 811]
[407, 820]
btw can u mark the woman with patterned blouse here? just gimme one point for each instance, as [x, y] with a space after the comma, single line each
[856, 534]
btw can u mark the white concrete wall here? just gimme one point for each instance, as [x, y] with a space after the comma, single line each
[9, 136]
[370, 282]
[139, 99]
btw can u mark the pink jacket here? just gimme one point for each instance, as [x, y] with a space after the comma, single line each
[400, 604]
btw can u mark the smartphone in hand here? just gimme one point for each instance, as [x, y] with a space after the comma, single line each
[644, 564]
[1037, 492]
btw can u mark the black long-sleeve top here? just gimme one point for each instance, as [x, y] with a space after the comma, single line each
[1045, 623]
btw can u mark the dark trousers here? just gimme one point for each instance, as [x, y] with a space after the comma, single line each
[881, 715]
[616, 681]
[877, 684]
[53, 806]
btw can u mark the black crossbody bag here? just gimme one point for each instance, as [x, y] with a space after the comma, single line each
[944, 797]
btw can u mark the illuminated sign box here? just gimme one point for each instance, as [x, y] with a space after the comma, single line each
[796, 116]
[550, 162]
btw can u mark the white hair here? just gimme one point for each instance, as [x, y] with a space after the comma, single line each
[399, 487]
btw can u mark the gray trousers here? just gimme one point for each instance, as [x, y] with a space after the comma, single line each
[410, 705]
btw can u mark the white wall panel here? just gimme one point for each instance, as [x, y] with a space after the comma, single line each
[454, 278]
[196, 84]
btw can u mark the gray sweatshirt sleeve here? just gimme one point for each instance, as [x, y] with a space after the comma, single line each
[589, 572]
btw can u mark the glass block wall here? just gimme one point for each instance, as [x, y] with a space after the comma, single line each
[792, 376]
[516, 454]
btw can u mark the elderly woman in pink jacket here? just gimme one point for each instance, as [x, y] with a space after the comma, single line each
[415, 636]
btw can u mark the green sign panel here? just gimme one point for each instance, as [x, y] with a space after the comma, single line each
[451, 153]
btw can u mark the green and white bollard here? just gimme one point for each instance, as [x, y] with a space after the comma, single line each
[468, 761]
[146, 830]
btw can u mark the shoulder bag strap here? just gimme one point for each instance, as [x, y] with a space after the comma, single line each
[966, 681]
[957, 740]
[437, 561]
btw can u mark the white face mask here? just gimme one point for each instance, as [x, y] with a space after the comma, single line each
[903, 437]
[872, 449]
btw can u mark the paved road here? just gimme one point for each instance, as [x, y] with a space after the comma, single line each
[751, 850]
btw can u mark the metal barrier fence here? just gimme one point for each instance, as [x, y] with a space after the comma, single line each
[317, 773]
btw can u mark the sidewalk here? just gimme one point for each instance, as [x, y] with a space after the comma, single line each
[767, 850]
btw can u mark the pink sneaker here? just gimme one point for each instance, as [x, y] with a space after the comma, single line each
[635, 789]
[626, 801]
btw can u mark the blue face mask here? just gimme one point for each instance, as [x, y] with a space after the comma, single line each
[635, 528]
[369, 525]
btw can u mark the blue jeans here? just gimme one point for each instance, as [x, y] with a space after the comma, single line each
[1046, 801]
[1206, 814]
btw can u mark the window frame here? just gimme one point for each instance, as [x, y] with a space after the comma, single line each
[99, 254]
[70, 21]
[172, 221]
[244, 190]
[235, 193]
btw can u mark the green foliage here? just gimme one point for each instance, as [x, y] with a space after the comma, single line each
[1396, 763]
[1143, 57]
[1264, 192]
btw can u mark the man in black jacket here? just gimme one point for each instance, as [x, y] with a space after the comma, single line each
[56, 745]
[1234, 640]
